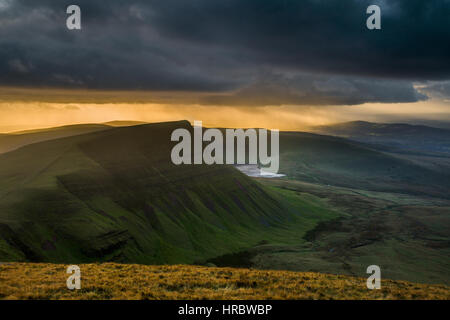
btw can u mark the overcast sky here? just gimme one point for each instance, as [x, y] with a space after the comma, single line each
[233, 52]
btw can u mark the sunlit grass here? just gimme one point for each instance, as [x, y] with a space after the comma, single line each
[122, 281]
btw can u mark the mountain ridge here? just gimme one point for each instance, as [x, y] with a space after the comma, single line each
[115, 195]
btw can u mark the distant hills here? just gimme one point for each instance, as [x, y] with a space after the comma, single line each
[399, 136]
[342, 162]
[124, 123]
[15, 140]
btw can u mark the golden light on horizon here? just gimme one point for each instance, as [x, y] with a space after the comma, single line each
[32, 115]
[22, 109]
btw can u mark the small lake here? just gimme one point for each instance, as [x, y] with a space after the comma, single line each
[253, 170]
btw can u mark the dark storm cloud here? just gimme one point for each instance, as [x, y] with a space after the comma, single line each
[115, 49]
[320, 51]
[310, 89]
[325, 35]
[439, 89]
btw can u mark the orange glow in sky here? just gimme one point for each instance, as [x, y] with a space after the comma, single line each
[22, 109]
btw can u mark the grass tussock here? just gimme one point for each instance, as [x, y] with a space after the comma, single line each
[122, 281]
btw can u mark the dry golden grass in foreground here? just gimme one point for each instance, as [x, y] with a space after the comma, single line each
[122, 281]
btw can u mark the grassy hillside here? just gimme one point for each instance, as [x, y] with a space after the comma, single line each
[335, 161]
[114, 195]
[407, 236]
[118, 281]
[12, 141]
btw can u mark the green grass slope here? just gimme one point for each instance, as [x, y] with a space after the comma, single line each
[407, 236]
[12, 141]
[114, 195]
[336, 161]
